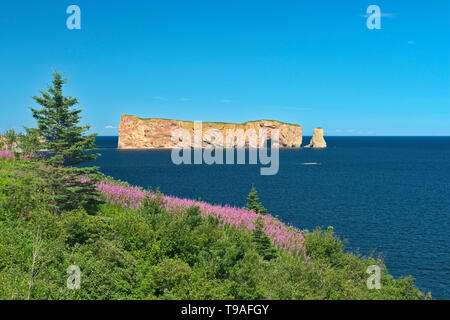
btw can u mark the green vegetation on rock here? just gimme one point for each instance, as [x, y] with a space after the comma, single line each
[217, 122]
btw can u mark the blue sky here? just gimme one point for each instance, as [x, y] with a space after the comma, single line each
[309, 62]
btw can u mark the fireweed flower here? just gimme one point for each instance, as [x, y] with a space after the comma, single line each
[27, 156]
[125, 197]
[286, 238]
[7, 155]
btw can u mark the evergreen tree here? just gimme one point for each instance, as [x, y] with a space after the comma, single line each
[58, 133]
[57, 123]
[69, 188]
[262, 240]
[253, 202]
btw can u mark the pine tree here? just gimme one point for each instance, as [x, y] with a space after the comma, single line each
[66, 145]
[262, 240]
[57, 124]
[253, 202]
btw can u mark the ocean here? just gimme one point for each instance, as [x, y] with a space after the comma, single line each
[387, 196]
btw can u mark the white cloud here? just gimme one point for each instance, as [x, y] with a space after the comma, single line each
[387, 15]
[226, 101]
[110, 127]
[160, 98]
[185, 99]
[383, 15]
[411, 42]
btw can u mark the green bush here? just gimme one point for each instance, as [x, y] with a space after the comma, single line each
[151, 253]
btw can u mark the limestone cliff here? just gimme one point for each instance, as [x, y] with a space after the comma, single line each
[137, 133]
[4, 145]
[317, 141]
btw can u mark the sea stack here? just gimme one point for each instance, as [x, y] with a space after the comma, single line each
[317, 141]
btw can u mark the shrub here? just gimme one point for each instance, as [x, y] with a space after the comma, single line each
[181, 250]
[263, 243]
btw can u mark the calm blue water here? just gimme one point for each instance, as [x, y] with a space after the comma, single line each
[389, 194]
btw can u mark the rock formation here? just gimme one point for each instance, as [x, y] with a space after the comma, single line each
[4, 145]
[317, 141]
[137, 133]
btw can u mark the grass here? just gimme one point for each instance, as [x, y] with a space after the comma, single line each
[243, 123]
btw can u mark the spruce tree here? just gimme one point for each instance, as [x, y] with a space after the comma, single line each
[253, 202]
[262, 240]
[65, 144]
[57, 123]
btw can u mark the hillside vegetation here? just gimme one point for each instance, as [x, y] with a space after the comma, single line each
[68, 232]
[137, 244]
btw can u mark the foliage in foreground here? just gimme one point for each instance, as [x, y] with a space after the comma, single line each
[58, 125]
[153, 253]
